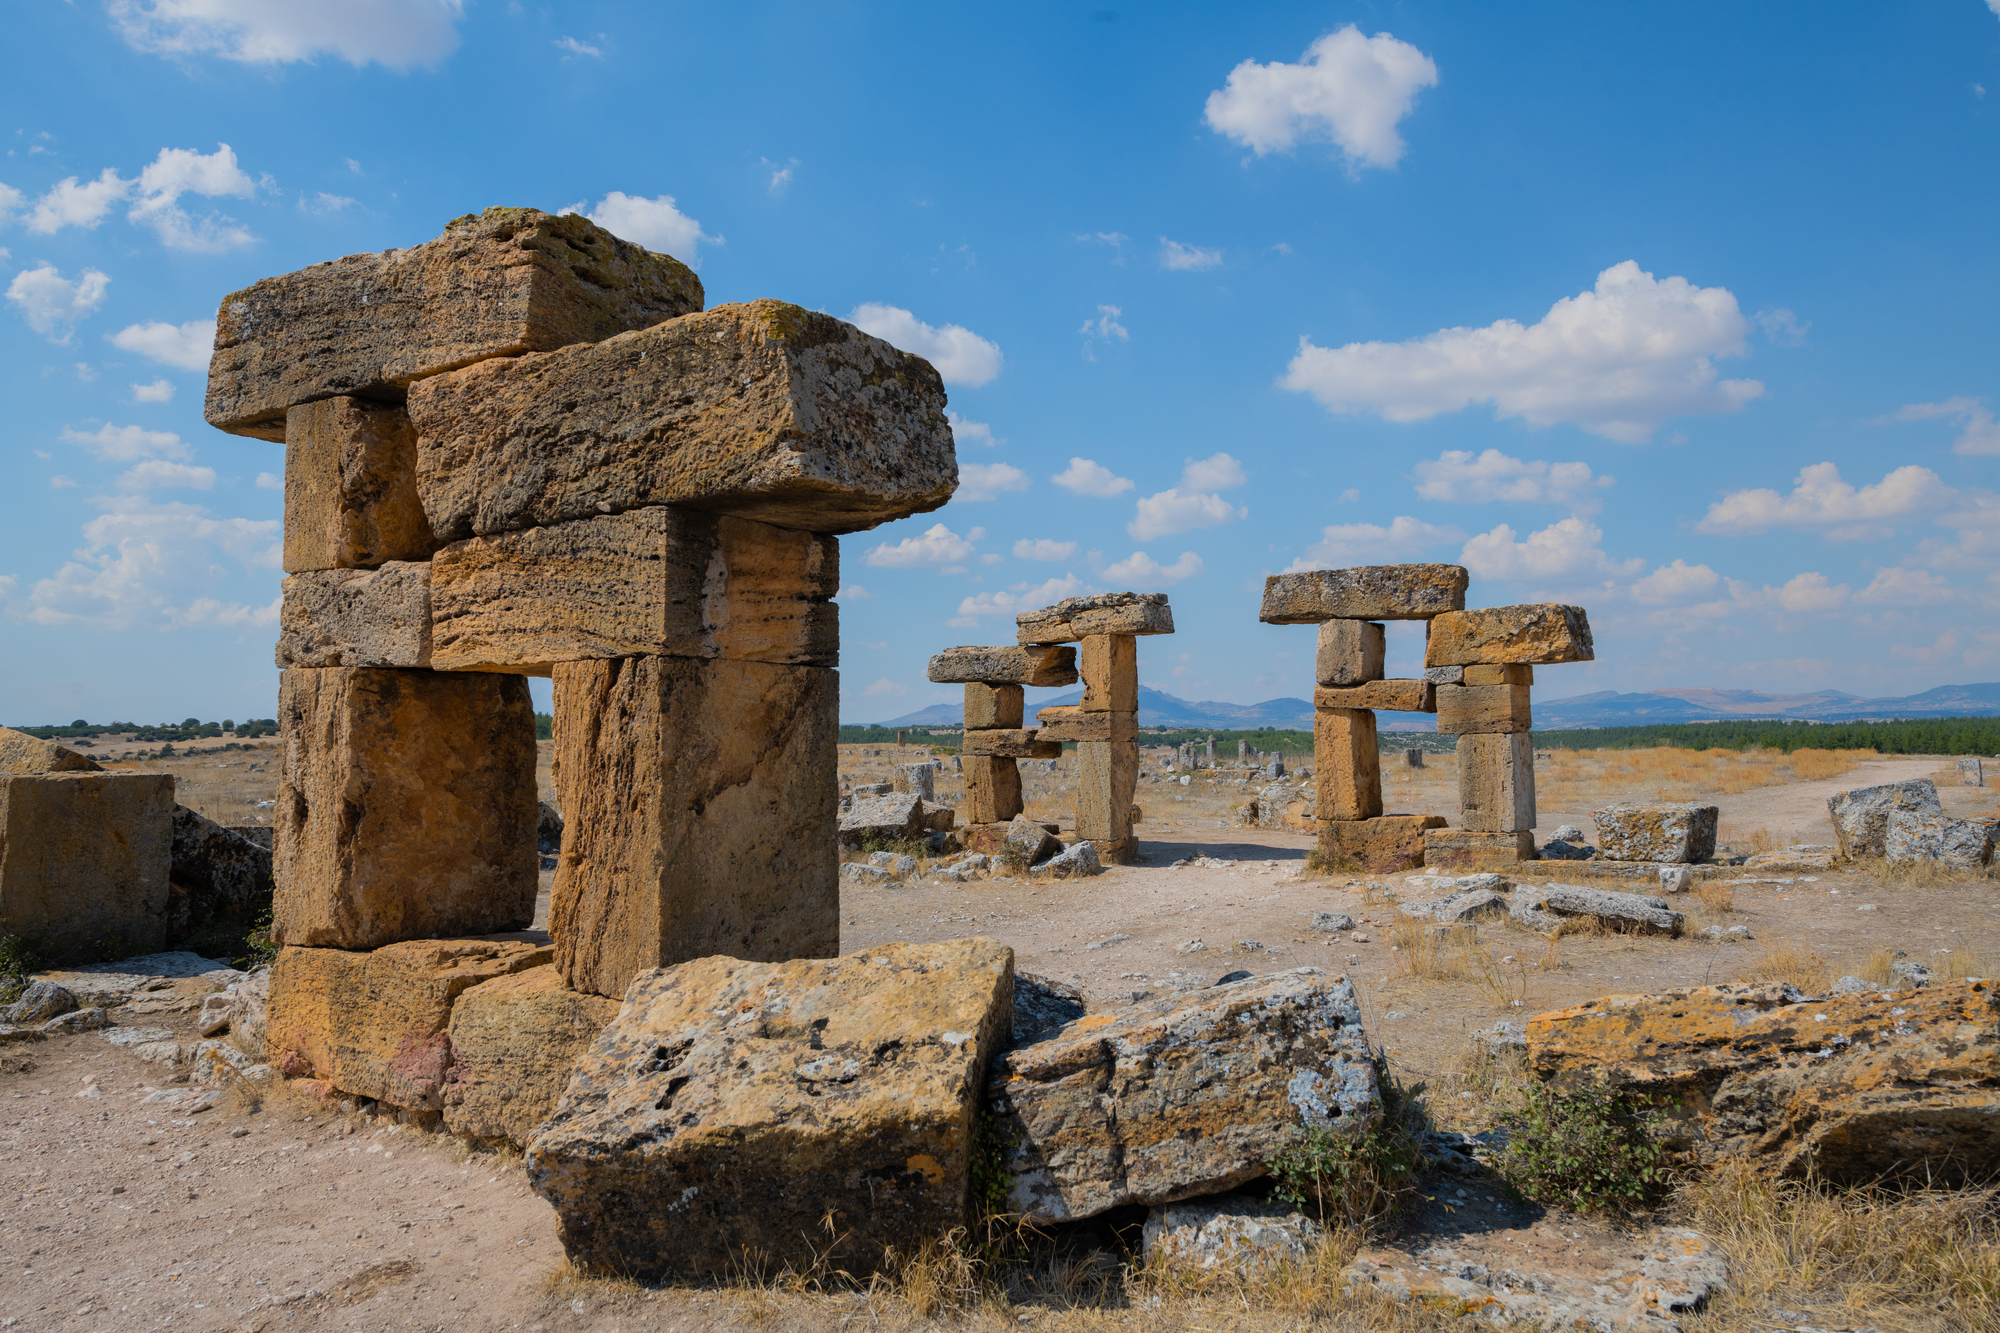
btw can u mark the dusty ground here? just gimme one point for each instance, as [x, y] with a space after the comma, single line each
[114, 1215]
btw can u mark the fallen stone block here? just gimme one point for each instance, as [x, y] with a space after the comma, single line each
[1370, 592]
[1549, 908]
[1180, 1097]
[1471, 850]
[1235, 1231]
[1457, 908]
[915, 779]
[993, 706]
[514, 1041]
[1012, 743]
[1500, 635]
[1347, 764]
[1027, 842]
[1861, 816]
[1068, 722]
[688, 1137]
[22, 753]
[1850, 1088]
[1073, 618]
[40, 1000]
[1038, 666]
[85, 858]
[1483, 709]
[214, 875]
[1332, 921]
[1802, 856]
[1956, 844]
[357, 617]
[1667, 831]
[1396, 696]
[507, 281]
[1384, 843]
[1076, 861]
[351, 486]
[1350, 652]
[1496, 782]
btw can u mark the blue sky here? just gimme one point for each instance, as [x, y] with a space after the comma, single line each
[1685, 314]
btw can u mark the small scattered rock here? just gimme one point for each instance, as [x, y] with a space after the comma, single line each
[41, 1001]
[1454, 908]
[1334, 921]
[860, 872]
[1107, 941]
[1908, 975]
[1251, 1235]
[77, 1020]
[1076, 861]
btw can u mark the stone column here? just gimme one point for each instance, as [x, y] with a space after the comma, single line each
[995, 740]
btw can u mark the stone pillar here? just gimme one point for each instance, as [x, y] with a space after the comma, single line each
[995, 741]
[1108, 758]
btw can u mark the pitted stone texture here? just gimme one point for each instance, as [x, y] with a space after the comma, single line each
[993, 706]
[1483, 710]
[1350, 652]
[373, 1024]
[1496, 782]
[1850, 1087]
[85, 857]
[1548, 909]
[1463, 849]
[892, 818]
[357, 617]
[1396, 696]
[1074, 618]
[1181, 1097]
[1236, 1231]
[1029, 841]
[250, 1013]
[1369, 592]
[1107, 773]
[1861, 816]
[507, 281]
[1109, 664]
[514, 1040]
[1042, 1006]
[699, 799]
[764, 410]
[22, 753]
[1038, 666]
[406, 807]
[992, 790]
[662, 580]
[216, 874]
[1656, 831]
[1958, 844]
[1347, 763]
[1542, 633]
[1386, 842]
[351, 487]
[732, 1107]
[1456, 908]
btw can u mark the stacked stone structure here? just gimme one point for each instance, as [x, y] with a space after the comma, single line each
[524, 448]
[1479, 666]
[995, 739]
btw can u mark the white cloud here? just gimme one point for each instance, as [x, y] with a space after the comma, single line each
[187, 346]
[1043, 548]
[1176, 510]
[1103, 329]
[68, 204]
[1782, 327]
[178, 171]
[141, 559]
[159, 391]
[128, 444]
[1569, 548]
[209, 611]
[270, 481]
[1895, 586]
[85, 371]
[885, 688]
[1344, 545]
[1140, 570]
[1804, 593]
[1181, 257]
[1674, 583]
[781, 177]
[571, 46]
[936, 547]
[960, 355]
[966, 431]
[1946, 645]
[10, 200]
[1023, 597]
[1617, 361]
[1457, 476]
[157, 473]
[1347, 88]
[1820, 498]
[1217, 472]
[323, 203]
[654, 223]
[1085, 476]
[987, 481]
[60, 482]
[396, 34]
[52, 304]
[1980, 434]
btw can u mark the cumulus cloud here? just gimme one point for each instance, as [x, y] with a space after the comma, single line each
[1458, 476]
[1086, 476]
[1616, 360]
[179, 171]
[966, 431]
[1979, 433]
[654, 223]
[1105, 328]
[1896, 586]
[938, 546]
[158, 474]
[1177, 510]
[270, 481]
[10, 203]
[1217, 472]
[145, 561]
[187, 346]
[127, 444]
[1043, 548]
[1571, 548]
[210, 611]
[323, 203]
[397, 34]
[52, 304]
[159, 391]
[1344, 545]
[1176, 255]
[1347, 89]
[1820, 499]
[1022, 597]
[960, 355]
[1674, 583]
[69, 204]
[1140, 570]
[988, 481]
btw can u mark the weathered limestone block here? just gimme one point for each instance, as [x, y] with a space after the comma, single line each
[1107, 772]
[215, 874]
[890, 818]
[250, 1014]
[1547, 909]
[1457, 908]
[700, 805]
[765, 410]
[1069, 722]
[506, 281]
[1861, 816]
[1958, 844]
[357, 617]
[1510, 634]
[22, 753]
[1347, 763]
[514, 1040]
[1387, 842]
[406, 807]
[84, 858]
[1010, 743]
[1396, 696]
[1350, 652]
[1496, 782]
[992, 790]
[915, 779]
[1242, 1233]
[1494, 675]
[351, 487]
[1370, 592]
[1181, 1097]
[1852, 1088]
[1039, 666]
[658, 580]
[1483, 709]
[1029, 841]
[1110, 667]
[373, 1024]
[1460, 849]
[689, 1137]
[1075, 618]
[1656, 831]
[988, 707]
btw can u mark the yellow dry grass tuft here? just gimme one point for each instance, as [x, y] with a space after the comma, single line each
[1785, 961]
[1580, 779]
[1716, 898]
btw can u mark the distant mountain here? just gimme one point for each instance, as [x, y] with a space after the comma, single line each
[1607, 708]
[1156, 709]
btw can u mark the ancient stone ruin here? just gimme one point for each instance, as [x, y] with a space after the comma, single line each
[1478, 668]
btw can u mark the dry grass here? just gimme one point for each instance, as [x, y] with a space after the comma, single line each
[1926, 874]
[1579, 779]
[1715, 897]
[1785, 961]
